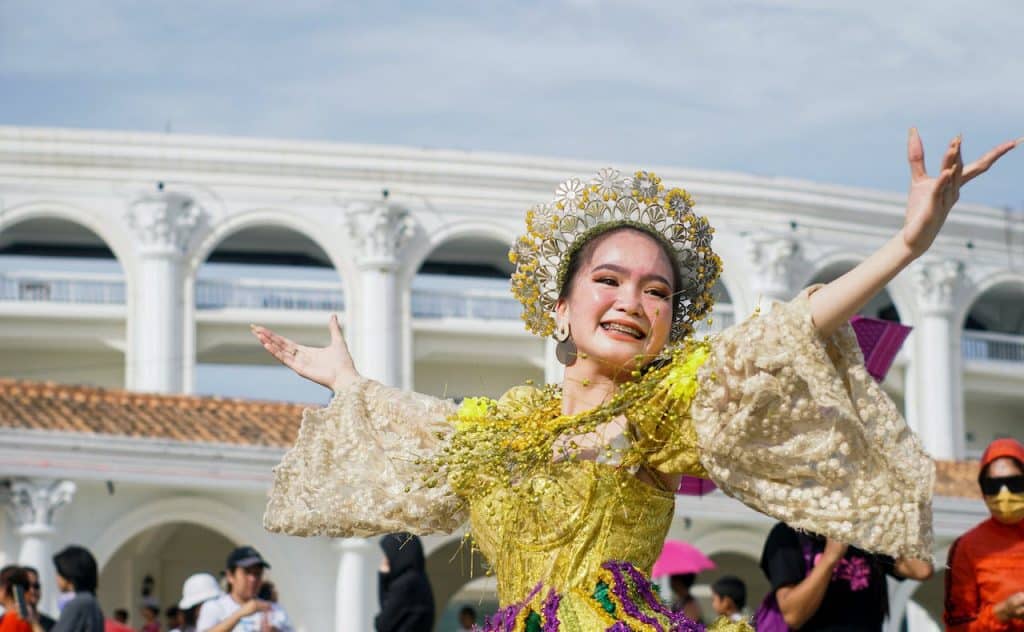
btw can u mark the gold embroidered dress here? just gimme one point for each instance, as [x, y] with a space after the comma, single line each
[790, 424]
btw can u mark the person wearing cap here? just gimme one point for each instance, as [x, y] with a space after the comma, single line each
[197, 590]
[240, 610]
[984, 581]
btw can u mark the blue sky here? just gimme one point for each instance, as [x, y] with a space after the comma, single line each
[816, 90]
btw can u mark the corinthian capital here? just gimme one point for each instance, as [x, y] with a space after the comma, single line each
[774, 260]
[165, 221]
[379, 231]
[32, 502]
[937, 282]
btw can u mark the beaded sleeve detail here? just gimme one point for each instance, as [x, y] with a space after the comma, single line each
[794, 426]
[361, 466]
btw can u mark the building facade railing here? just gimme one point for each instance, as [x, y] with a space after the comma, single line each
[56, 288]
[464, 304]
[288, 294]
[984, 345]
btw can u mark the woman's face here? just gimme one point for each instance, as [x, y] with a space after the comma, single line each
[620, 301]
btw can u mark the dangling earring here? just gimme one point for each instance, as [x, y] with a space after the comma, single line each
[565, 350]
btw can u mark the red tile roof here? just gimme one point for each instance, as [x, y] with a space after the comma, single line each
[958, 479]
[62, 407]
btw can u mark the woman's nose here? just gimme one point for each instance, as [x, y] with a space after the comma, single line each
[629, 302]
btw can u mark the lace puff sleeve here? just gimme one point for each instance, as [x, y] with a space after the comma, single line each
[360, 467]
[793, 426]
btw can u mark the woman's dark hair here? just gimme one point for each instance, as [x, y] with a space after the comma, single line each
[686, 579]
[13, 575]
[78, 566]
[584, 253]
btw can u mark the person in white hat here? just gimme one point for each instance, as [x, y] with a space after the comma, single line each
[197, 590]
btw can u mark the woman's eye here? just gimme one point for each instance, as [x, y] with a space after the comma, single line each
[607, 281]
[658, 292]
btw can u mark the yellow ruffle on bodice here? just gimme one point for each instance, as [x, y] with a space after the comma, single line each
[573, 521]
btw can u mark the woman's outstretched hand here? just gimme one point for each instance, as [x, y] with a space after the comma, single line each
[928, 204]
[329, 366]
[931, 199]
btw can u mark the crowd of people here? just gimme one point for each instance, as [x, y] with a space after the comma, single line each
[246, 604]
[816, 584]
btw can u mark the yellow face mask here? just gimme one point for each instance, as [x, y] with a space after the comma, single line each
[1006, 507]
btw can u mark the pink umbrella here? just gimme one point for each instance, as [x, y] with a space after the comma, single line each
[680, 557]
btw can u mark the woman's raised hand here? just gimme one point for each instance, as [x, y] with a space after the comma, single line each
[329, 366]
[931, 199]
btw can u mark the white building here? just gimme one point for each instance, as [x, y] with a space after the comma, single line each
[137, 261]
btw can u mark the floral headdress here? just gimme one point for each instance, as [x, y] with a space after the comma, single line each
[557, 230]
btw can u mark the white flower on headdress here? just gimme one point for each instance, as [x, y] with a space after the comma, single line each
[646, 184]
[542, 219]
[570, 193]
[608, 182]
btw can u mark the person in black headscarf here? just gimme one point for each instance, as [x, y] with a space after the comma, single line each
[406, 600]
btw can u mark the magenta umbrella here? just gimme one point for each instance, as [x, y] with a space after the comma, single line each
[880, 341]
[680, 557]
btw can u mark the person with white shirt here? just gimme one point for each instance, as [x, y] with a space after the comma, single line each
[240, 610]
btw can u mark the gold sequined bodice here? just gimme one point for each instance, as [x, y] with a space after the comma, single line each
[571, 520]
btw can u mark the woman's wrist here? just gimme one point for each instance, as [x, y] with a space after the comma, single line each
[344, 381]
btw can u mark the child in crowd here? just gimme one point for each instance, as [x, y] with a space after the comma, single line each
[729, 597]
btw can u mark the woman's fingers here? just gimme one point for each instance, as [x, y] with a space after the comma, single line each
[981, 165]
[949, 158]
[958, 173]
[337, 337]
[915, 155]
[283, 349]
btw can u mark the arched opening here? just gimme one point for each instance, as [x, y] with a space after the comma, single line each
[458, 577]
[992, 343]
[468, 339]
[152, 566]
[274, 276]
[62, 304]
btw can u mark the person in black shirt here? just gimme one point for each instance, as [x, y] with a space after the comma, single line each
[825, 586]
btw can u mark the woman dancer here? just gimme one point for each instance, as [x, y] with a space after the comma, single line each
[569, 489]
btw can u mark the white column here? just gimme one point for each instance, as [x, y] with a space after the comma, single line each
[164, 224]
[937, 365]
[379, 231]
[355, 591]
[32, 504]
[773, 261]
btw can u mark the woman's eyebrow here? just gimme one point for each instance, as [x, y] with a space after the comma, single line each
[620, 270]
